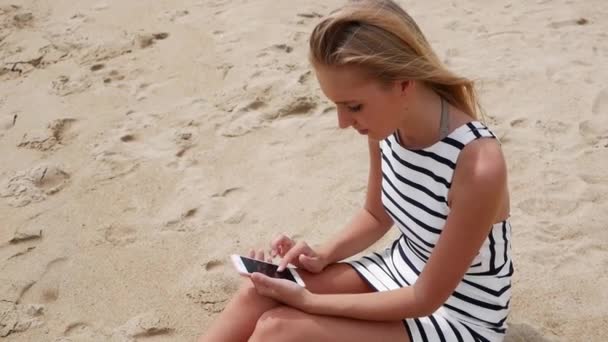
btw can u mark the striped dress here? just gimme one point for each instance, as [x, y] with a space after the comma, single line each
[415, 187]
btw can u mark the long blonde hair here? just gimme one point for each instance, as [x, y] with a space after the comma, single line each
[380, 37]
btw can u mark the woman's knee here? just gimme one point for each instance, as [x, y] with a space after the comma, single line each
[278, 324]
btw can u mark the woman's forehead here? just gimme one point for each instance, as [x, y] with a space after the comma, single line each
[340, 83]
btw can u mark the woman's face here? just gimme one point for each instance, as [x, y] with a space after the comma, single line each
[368, 106]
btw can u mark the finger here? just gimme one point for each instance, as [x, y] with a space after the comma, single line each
[260, 255]
[256, 279]
[261, 282]
[279, 239]
[282, 244]
[293, 253]
[252, 254]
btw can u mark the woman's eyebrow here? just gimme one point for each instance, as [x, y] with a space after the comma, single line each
[346, 102]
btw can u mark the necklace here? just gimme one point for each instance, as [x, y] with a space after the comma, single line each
[444, 122]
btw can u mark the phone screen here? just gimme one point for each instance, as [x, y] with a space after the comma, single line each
[265, 268]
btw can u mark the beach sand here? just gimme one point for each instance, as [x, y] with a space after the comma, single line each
[144, 142]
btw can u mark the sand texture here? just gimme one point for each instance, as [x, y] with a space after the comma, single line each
[143, 142]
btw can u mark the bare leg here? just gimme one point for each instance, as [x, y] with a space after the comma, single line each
[285, 324]
[238, 320]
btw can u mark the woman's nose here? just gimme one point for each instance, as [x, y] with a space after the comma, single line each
[344, 119]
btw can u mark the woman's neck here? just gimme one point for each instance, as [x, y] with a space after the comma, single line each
[421, 123]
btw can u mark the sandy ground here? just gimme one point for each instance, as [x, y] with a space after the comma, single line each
[143, 142]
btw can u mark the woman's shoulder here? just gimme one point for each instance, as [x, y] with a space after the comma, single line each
[481, 163]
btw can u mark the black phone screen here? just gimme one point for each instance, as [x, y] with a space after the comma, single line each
[265, 268]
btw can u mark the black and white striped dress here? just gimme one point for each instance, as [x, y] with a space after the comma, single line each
[415, 189]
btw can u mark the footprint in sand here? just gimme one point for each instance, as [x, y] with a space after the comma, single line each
[14, 316]
[554, 206]
[234, 217]
[22, 252]
[57, 133]
[22, 20]
[258, 113]
[148, 39]
[142, 138]
[246, 118]
[213, 292]
[111, 165]
[104, 52]
[183, 222]
[76, 328]
[594, 130]
[142, 91]
[148, 324]
[80, 331]
[299, 106]
[593, 173]
[177, 15]
[21, 59]
[523, 332]
[214, 265]
[34, 185]
[119, 234]
[519, 123]
[26, 233]
[553, 127]
[46, 288]
[69, 85]
[593, 179]
[17, 318]
[11, 291]
[113, 76]
[283, 47]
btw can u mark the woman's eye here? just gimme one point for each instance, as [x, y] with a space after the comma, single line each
[356, 108]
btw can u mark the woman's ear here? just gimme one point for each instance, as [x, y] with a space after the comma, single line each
[405, 86]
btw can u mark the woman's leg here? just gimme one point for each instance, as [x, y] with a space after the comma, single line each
[285, 324]
[238, 320]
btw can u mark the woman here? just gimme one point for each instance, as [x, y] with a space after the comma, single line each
[436, 173]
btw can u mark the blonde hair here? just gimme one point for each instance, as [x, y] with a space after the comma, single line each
[380, 37]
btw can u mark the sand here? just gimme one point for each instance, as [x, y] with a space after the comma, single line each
[143, 142]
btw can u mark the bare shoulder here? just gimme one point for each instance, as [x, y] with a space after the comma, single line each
[481, 167]
[483, 157]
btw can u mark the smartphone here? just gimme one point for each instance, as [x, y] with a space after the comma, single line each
[246, 266]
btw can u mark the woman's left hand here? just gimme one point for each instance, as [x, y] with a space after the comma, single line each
[281, 290]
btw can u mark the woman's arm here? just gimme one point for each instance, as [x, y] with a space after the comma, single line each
[369, 224]
[479, 187]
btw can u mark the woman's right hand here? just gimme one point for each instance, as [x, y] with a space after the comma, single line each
[298, 254]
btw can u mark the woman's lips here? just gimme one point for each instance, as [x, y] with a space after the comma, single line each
[363, 131]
